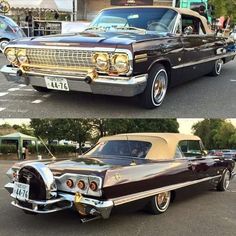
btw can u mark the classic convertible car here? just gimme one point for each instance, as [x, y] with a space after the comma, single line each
[121, 169]
[126, 51]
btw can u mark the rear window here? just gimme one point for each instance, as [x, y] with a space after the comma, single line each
[121, 148]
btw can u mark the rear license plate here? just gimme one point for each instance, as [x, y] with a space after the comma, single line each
[56, 83]
[21, 191]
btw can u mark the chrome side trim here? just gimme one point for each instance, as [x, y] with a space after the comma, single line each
[136, 196]
[204, 60]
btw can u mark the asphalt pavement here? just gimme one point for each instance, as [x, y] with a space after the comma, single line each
[208, 97]
[197, 213]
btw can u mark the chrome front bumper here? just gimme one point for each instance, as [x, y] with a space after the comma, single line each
[106, 85]
[101, 208]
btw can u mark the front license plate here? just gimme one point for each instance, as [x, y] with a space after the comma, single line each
[21, 191]
[56, 83]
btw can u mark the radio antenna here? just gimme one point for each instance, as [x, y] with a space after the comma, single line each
[53, 157]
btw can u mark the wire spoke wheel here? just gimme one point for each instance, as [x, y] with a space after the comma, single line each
[218, 65]
[160, 86]
[163, 200]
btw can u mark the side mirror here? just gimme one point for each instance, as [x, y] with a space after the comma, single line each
[188, 30]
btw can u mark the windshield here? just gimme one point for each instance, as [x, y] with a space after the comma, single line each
[120, 148]
[160, 20]
[10, 22]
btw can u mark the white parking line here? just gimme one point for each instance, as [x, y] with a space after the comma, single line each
[22, 85]
[37, 101]
[233, 80]
[47, 95]
[3, 94]
[2, 108]
[13, 89]
[28, 90]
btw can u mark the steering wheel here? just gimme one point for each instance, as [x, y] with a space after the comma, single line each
[154, 25]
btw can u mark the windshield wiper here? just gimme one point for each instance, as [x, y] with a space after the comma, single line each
[130, 28]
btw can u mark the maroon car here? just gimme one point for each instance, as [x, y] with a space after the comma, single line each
[121, 169]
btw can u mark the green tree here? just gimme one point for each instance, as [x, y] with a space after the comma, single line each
[24, 129]
[224, 137]
[206, 130]
[116, 126]
[216, 133]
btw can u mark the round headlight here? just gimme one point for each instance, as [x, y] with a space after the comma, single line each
[21, 56]
[11, 55]
[102, 61]
[121, 63]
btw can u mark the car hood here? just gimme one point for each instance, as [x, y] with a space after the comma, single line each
[78, 39]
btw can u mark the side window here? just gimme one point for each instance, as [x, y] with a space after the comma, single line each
[190, 148]
[194, 23]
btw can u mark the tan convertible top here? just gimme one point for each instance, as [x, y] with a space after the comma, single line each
[181, 11]
[163, 144]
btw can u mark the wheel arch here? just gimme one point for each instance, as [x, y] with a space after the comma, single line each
[166, 63]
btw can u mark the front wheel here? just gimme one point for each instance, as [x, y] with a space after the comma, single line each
[217, 69]
[224, 182]
[159, 203]
[41, 89]
[156, 88]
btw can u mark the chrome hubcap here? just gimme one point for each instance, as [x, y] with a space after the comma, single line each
[160, 86]
[219, 65]
[163, 200]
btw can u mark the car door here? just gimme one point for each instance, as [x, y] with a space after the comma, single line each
[201, 165]
[198, 48]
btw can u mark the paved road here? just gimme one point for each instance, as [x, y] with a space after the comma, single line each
[205, 97]
[202, 213]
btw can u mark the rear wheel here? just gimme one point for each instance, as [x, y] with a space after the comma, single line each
[41, 89]
[159, 203]
[224, 182]
[156, 88]
[217, 69]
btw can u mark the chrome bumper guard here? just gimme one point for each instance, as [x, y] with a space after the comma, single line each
[106, 85]
[101, 208]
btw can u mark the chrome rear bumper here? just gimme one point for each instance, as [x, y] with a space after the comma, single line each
[106, 85]
[61, 202]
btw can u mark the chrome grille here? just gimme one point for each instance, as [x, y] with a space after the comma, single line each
[60, 57]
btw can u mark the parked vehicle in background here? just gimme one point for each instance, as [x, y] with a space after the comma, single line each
[228, 153]
[9, 30]
[145, 168]
[218, 153]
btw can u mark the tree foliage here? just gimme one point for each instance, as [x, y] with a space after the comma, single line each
[216, 133]
[224, 8]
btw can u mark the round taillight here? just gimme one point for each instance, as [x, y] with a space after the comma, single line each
[81, 185]
[93, 186]
[70, 183]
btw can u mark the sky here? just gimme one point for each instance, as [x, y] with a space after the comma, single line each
[185, 125]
